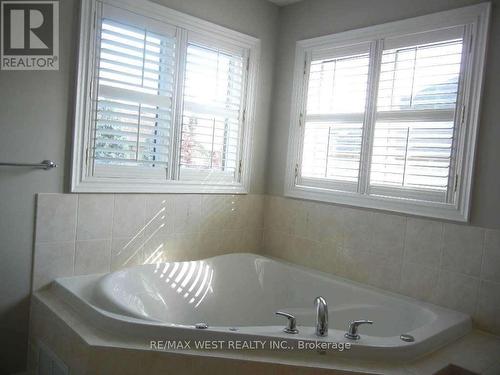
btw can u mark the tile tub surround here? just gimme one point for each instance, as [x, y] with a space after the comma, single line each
[79, 234]
[452, 265]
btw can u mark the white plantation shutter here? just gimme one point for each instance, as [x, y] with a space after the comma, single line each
[386, 117]
[161, 102]
[413, 145]
[335, 110]
[133, 109]
[212, 113]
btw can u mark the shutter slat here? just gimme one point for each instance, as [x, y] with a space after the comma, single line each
[411, 161]
[213, 91]
[411, 152]
[424, 76]
[135, 87]
[336, 97]
[332, 151]
[338, 85]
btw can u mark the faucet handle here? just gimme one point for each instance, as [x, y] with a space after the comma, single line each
[291, 326]
[352, 331]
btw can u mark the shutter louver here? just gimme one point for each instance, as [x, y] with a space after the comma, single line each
[211, 123]
[336, 100]
[134, 101]
[420, 77]
[414, 131]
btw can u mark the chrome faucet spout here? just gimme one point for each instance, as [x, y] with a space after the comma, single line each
[321, 316]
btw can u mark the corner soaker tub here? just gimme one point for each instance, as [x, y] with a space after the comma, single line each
[237, 295]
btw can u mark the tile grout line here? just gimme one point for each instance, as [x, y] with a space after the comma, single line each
[404, 253]
[111, 234]
[76, 232]
[483, 256]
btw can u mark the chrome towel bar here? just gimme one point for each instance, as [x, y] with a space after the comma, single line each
[45, 164]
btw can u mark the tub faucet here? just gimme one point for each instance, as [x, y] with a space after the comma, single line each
[321, 317]
[352, 331]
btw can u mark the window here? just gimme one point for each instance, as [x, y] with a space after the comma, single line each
[213, 103]
[134, 97]
[386, 117]
[333, 129]
[162, 102]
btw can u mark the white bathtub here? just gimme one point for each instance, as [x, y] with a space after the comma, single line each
[237, 296]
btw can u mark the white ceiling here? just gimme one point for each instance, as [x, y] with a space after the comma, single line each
[282, 3]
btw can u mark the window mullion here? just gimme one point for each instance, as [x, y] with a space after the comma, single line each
[459, 120]
[376, 48]
[177, 108]
[243, 134]
[301, 116]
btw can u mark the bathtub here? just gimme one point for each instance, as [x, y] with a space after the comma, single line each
[233, 299]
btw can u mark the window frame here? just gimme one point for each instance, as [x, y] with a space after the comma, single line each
[475, 20]
[82, 181]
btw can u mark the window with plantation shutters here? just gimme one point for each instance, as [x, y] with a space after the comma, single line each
[414, 131]
[212, 112]
[386, 117]
[135, 83]
[333, 125]
[164, 103]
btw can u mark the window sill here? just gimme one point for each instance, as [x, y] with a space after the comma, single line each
[110, 185]
[404, 206]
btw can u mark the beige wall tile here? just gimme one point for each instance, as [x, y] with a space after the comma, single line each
[353, 264]
[462, 249]
[280, 214]
[423, 242]
[418, 281]
[255, 214]
[95, 216]
[56, 217]
[232, 241]
[159, 217]
[187, 213]
[155, 249]
[487, 315]
[237, 213]
[303, 251]
[491, 263]
[129, 215]
[210, 244]
[456, 291]
[383, 271]
[318, 258]
[275, 243]
[357, 229]
[387, 234]
[52, 260]
[93, 256]
[184, 246]
[126, 252]
[253, 240]
[325, 223]
[214, 212]
[362, 245]
[268, 204]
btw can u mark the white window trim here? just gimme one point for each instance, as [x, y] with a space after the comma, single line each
[476, 19]
[81, 182]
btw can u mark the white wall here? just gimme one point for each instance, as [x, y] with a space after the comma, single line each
[312, 18]
[36, 123]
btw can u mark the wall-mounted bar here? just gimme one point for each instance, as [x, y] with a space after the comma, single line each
[45, 164]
